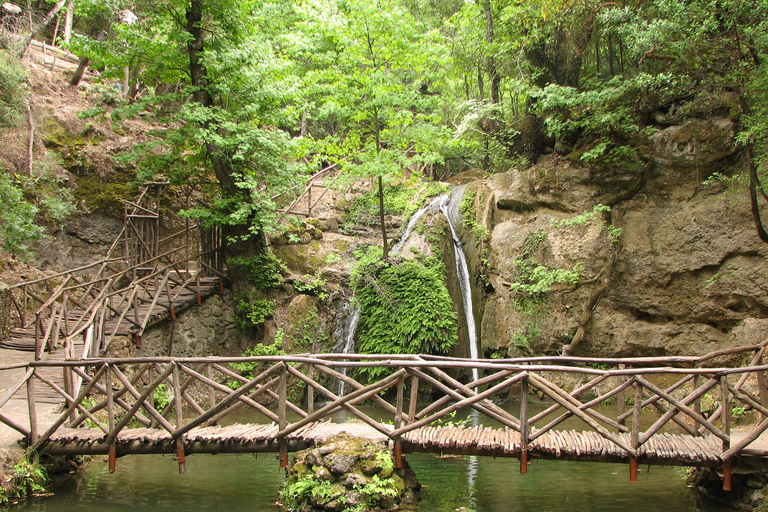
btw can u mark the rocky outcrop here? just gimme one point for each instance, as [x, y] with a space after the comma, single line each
[347, 474]
[687, 274]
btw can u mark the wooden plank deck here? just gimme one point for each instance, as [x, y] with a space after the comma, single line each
[667, 449]
[24, 338]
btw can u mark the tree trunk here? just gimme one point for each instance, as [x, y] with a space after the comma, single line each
[490, 63]
[381, 217]
[68, 19]
[222, 167]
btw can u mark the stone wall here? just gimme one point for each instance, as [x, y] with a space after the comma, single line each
[199, 331]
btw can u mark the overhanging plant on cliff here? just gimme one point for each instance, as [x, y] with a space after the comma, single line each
[405, 307]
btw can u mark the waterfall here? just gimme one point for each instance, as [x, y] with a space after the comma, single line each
[462, 271]
[346, 343]
[412, 224]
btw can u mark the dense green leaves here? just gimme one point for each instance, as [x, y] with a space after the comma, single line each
[405, 308]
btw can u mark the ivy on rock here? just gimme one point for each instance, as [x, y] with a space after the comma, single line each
[405, 308]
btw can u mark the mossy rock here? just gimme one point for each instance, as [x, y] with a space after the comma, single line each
[106, 197]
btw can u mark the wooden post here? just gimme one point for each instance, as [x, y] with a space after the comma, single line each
[621, 397]
[111, 416]
[177, 405]
[761, 390]
[311, 390]
[524, 426]
[637, 410]
[414, 400]
[32, 409]
[697, 402]
[282, 418]
[725, 397]
[38, 328]
[398, 423]
[211, 390]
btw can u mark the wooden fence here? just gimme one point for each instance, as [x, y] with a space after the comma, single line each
[120, 294]
[121, 398]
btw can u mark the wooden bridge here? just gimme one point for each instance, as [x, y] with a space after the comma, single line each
[142, 280]
[184, 406]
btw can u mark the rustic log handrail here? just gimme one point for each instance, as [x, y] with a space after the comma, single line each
[125, 389]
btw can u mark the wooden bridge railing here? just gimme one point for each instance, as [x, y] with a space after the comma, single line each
[179, 395]
[103, 299]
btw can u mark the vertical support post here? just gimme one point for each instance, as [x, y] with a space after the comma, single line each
[398, 423]
[634, 435]
[762, 392]
[282, 418]
[414, 400]
[725, 400]
[38, 328]
[211, 390]
[309, 200]
[111, 416]
[697, 402]
[197, 283]
[621, 397]
[24, 306]
[524, 426]
[310, 390]
[170, 301]
[32, 409]
[177, 405]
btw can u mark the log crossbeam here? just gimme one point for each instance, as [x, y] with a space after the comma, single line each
[122, 390]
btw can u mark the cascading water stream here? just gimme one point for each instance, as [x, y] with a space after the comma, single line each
[462, 271]
[346, 344]
[448, 209]
[412, 224]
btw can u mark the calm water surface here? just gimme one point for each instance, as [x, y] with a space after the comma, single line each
[236, 482]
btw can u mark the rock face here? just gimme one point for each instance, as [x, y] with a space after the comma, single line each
[200, 330]
[686, 275]
[347, 474]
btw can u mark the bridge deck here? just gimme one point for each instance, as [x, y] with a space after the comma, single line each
[671, 449]
[157, 310]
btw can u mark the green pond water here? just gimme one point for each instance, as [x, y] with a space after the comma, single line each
[237, 482]
[234, 483]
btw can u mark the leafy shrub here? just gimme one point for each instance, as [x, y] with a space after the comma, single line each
[17, 218]
[12, 94]
[247, 368]
[311, 285]
[264, 271]
[254, 311]
[405, 309]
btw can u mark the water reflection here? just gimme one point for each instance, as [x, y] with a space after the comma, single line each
[235, 483]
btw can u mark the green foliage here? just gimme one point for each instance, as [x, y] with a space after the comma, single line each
[523, 338]
[311, 285]
[533, 241]
[25, 478]
[12, 93]
[582, 218]
[308, 489]
[162, 396]
[17, 219]
[247, 368]
[536, 281]
[264, 271]
[468, 216]
[405, 309]
[613, 231]
[400, 199]
[254, 311]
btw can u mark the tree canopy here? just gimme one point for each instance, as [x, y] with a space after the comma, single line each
[250, 97]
